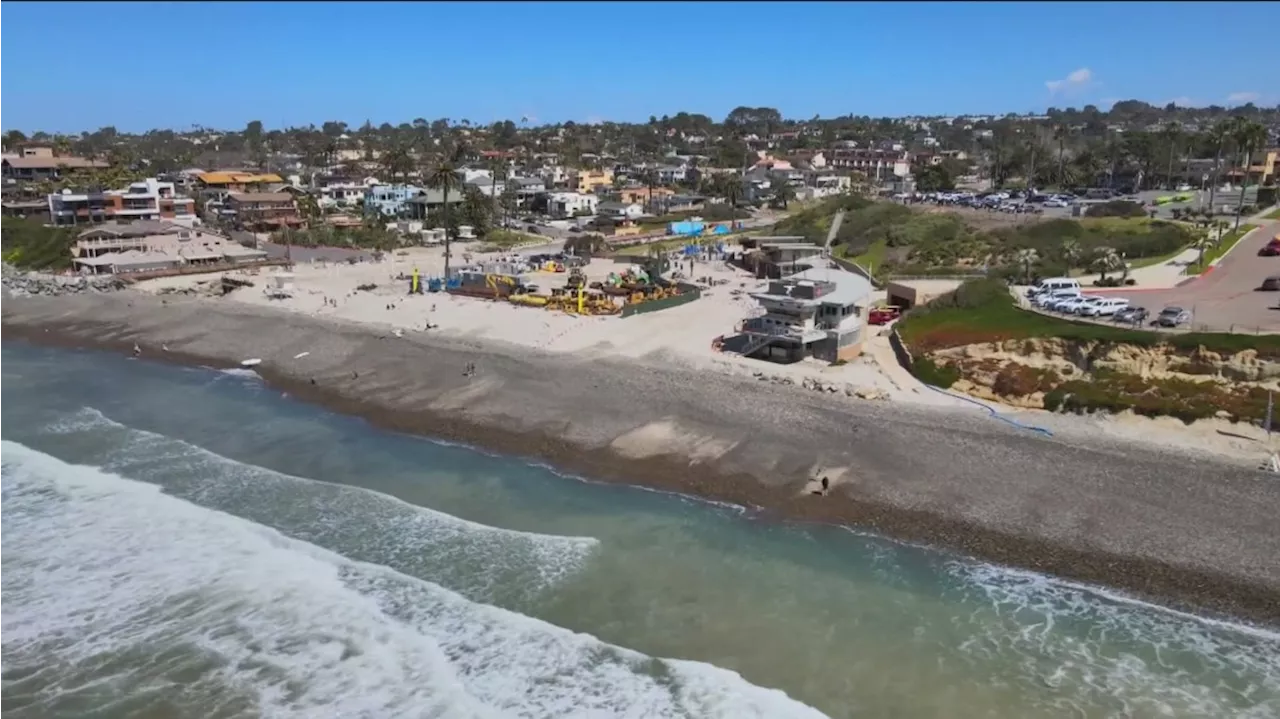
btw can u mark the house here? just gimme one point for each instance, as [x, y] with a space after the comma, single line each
[683, 203]
[487, 186]
[263, 210]
[148, 199]
[233, 181]
[145, 247]
[592, 180]
[389, 200]
[571, 204]
[336, 191]
[816, 313]
[620, 210]
[528, 188]
[39, 163]
[430, 201]
[642, 195]
[671, 174]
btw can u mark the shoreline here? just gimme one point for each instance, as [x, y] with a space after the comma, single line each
[1202, 544]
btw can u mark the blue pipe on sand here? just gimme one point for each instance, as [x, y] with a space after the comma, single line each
[994, 413]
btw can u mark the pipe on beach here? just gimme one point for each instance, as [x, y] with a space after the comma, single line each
[995, 414]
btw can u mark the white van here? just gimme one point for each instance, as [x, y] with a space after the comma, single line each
[1104, 307]
[1054, 284]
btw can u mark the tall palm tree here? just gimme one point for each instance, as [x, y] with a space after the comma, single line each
[1249, 135]
[496, 165]
[1060, 134]
[1106, 259]
[1070, 252]
[1220, 133]
[1171, 134]
[444, 177]
[1027, 259]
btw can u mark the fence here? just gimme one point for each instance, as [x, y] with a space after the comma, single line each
[688, 293]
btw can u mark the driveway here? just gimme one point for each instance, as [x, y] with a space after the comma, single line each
[1226, 298]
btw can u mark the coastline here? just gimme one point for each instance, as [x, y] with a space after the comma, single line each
[1190, 532]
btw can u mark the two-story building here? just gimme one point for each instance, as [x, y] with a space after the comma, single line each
[149, 246]
[36, 164]
[875, 164]
[236, 181]
[528, 188]
[390, 200]
[816, 313]
[334, 191]
[592, 181]
[571, 204]
[620, 210]
[430, 201]
[148, 199]
[263, 211]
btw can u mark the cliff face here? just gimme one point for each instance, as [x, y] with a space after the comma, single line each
[1041, 373]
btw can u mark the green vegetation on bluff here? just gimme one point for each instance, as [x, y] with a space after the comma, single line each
[982, 311]
[896, 239]
[29, 245]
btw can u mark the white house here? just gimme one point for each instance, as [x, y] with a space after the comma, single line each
[669, 174]
[570, 204]
[621, 210]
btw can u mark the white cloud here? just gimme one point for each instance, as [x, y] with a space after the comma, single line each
[1240, 98]
[1077, 80]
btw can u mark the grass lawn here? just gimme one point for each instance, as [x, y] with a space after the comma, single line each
[873, 258]
[1274, 214]
[1229, 240]
[1152, 261]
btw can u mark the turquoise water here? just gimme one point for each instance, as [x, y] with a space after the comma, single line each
[190, 543]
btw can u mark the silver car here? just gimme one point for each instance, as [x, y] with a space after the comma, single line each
[1173, 317]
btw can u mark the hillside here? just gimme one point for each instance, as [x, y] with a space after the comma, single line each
[890, 238]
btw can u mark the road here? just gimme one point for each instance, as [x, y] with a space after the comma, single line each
[1225, 299]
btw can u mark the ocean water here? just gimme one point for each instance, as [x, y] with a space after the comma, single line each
[190, 543]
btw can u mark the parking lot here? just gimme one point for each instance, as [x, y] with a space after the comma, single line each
[1226, 299]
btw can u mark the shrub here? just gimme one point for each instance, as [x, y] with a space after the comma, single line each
[932, 373]
[1116, 208]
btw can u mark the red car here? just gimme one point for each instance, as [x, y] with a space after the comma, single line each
[884, 315]
[1272, 249]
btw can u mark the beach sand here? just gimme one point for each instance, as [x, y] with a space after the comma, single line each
[620, 405]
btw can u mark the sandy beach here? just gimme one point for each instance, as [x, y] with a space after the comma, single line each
[1191, 528]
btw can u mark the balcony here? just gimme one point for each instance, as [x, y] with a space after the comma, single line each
[797, 333]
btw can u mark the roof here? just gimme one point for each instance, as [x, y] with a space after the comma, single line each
[432, 196]
[48, 163]
[261, 197]
[616, 205]
[138, 228]
[850, 288]
[528, 181]
[228, 178]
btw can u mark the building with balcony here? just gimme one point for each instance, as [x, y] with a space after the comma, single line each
[233, 181]
[430, 201]
[35, 164]
[589, 181]
[148, 199]
[390, 200]
[1260, 172]
[817, 313]
[117, 248]
[875, 164]
[263, 210]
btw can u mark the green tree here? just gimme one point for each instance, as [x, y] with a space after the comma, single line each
[934, 178]
[1248, 136]
[444, 177]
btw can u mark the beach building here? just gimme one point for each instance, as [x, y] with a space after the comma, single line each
[817, 313]
[777, 257]
[155, 246]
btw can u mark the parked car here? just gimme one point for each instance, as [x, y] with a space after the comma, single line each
[1271, 249]
[1104, 307]
[1057, 302]
[1046, 300]
[1173, 317]
[1072, 306]
[884, 315]
[1131, 315]
[1271, 284]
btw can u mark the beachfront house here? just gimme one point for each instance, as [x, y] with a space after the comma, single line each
[817, 313]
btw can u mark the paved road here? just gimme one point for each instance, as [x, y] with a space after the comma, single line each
[1225, 299]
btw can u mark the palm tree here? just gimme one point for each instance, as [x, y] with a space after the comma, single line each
[1220, 134]
[1202, 243]
[496, 165]
[1248, 135]
[444, 177]
[1172, 133]
[1070, 252]
[1027, 259]
[1060, 134]
[1106, 260]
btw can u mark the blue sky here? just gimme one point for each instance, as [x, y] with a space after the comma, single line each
[224, 64]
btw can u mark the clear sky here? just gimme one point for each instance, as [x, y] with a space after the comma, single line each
[69, 66]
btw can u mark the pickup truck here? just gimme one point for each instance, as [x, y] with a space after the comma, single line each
[884, 315]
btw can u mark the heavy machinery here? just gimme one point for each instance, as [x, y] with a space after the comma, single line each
[577, 279]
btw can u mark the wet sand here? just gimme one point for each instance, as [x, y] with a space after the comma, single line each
[1194, 532]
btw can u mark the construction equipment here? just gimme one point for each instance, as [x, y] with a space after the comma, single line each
[577, 279]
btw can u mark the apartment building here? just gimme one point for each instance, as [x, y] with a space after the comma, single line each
[263, 210]
[571, 204]
[119, 248]
[872, 163]
[234, 181]
[148, 199]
